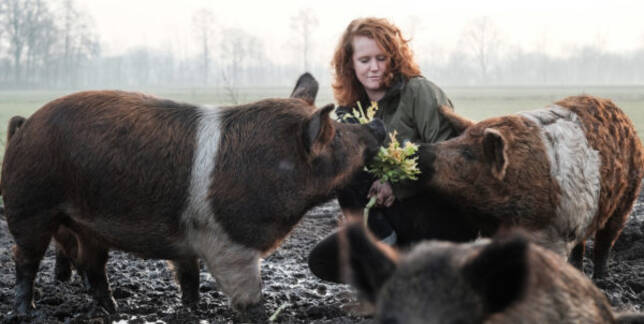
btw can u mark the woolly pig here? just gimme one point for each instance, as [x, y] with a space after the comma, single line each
[563, 173]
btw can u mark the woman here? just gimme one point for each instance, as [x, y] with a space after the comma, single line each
[373, 63]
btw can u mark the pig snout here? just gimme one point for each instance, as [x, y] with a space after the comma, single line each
[426, 160]
[377, 127]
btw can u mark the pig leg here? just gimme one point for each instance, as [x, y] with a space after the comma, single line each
[66, 250]
[237, 271]
[63, 267]
[32, 234]
[576, 257]
[604, 240]
[92, 262]
[239, 278]
[187, 275]
[606, 237]
[26, 268]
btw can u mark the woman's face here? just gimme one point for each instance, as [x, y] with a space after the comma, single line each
[370, 64]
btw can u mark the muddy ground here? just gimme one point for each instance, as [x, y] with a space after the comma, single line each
[145, 290]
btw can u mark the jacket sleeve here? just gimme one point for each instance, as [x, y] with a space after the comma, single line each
[430, 125]
[423, 114]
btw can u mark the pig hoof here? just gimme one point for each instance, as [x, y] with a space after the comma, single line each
[105, 306]
[360, 308]
[190, 307]
[190, 302]
[99, 311]
[85, 280]
[252, 314]
[24, 308]
[599, 274]
[600, 270]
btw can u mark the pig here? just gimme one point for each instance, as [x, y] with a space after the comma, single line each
[174, 181]
[504, 280]
[306, 88]
[563, 173]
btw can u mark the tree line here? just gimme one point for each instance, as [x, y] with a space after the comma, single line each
[43, 47]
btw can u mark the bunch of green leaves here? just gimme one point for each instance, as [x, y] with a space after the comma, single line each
[395, 163]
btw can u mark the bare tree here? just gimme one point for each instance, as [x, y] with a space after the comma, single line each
[238, 51]
[483, 39]
[20, 19]
[80, 42]
[203, 22]
[41, 38]
[70, 14]
[303, 24]
[233, 54]
[41, 42]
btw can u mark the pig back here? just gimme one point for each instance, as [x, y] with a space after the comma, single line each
[611, 133]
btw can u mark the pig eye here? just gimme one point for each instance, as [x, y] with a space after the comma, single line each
[468, 154]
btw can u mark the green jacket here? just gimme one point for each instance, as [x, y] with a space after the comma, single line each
[411, 108]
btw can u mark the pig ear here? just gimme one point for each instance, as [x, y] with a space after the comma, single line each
[495, 150]
[365, 263]
[319, 130]
[306, 88]
[499, 273]
[459, 123]
[14, 123]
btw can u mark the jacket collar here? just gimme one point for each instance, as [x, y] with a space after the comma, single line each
[397, 84]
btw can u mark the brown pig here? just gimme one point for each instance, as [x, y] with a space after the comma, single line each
[502, 281]
[167, 180]
[563, 173]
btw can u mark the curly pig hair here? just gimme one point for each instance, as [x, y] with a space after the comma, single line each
[346, 87]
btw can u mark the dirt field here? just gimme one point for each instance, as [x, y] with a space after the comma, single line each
[145, 290]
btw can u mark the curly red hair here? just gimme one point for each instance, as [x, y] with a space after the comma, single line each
[346, 87]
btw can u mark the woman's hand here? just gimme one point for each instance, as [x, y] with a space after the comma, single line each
[383, 192]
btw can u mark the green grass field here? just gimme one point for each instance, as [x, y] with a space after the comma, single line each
[475, 103]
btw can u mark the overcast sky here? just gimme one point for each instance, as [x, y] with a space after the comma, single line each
[617, 25]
